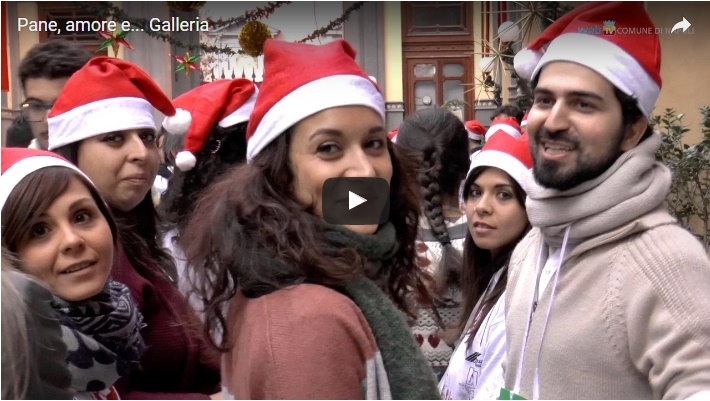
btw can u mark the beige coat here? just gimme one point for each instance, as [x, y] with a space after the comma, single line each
[630, 319]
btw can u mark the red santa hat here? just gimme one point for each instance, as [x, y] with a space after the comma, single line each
[524, 122]
[392, 135]
[301, 80]
[225, 102]
[18, 163]
[509, 125]
[476, 131]
[589, 35]
[507, 153]
[108, 94]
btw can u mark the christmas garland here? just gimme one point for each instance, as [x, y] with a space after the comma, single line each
[334, 23]
[259, 13]
[108, 9]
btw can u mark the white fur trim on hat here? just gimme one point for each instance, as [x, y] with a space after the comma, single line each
[178, 124]
[504, 161]
[502, 127]
[185, 160]
[103, 116]
[242, 113]
[474, 136]
[607, 59]
[22, 168]
[311, 98]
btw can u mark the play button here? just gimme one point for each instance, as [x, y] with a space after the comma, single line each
[356, 201]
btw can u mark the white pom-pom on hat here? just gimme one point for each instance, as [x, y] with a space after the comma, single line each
[185, 160]
[525, 62]
[179, 123]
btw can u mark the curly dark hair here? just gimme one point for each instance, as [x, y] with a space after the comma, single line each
[251, 214]
[438, 139]
[225, 148]
[137, 232]
[53, 59]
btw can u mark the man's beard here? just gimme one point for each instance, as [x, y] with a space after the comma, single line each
[547, 172]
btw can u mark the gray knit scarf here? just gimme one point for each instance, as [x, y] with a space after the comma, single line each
[403, 373]
[633, 186]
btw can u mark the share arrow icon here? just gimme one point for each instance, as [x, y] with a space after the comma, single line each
[684, 25]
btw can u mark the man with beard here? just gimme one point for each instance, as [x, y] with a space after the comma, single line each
[607, 295]
[43, 72]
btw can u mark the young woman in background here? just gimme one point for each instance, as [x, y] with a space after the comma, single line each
[103, 122]
[497, 221]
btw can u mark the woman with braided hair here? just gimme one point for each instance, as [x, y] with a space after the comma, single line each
[438, 140]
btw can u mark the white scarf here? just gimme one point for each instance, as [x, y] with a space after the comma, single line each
[633, 186]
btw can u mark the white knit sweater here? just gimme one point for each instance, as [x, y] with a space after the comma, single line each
[630, 317]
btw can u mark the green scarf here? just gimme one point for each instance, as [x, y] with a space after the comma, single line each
[407, 371]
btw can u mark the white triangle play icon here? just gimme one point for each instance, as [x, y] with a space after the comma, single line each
[355, 200]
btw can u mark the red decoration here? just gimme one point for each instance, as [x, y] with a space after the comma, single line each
[187, 63]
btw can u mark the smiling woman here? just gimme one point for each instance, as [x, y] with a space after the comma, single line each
[341, 288]
[62, 233]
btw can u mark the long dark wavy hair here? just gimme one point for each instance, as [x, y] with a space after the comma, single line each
[137, 232]
[225, 148]
[251, 216]
[439, 141]
[479, 266]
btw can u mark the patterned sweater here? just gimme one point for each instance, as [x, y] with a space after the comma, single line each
[426, 329]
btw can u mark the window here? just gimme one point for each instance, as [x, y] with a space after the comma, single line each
[438, 47]
[449, 21]
[63, 12]
[437, 18]
[437, 82]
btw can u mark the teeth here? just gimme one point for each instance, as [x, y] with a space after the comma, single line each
[558, 148]
[78, 267]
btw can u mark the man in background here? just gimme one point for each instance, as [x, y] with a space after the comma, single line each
[508, 110]
[43, 73]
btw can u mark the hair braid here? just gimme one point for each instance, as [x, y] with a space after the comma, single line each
[433, 209]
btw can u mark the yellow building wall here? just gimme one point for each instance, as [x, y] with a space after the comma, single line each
[394, 91]
[684, 61]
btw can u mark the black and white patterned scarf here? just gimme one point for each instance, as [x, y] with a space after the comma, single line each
[102, 335]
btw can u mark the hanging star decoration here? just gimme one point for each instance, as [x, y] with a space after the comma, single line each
[187, 63]
[115, 40]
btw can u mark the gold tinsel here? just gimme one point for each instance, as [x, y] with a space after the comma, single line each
[253, 36]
